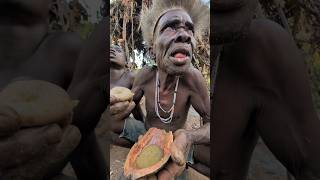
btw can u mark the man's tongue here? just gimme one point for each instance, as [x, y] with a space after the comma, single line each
[179, 56]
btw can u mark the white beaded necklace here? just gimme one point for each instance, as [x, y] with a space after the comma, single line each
[157, 104]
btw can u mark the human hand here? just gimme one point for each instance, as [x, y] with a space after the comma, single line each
[31, 153]
[179, 149]
[180, 146]
[121, 110]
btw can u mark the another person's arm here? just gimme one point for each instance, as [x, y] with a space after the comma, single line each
[200, 101]
[286, 119]
[88, 83]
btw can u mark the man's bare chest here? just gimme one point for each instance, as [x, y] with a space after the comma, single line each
[165, 99]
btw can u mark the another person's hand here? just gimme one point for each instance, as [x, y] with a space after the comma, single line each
[32, 152]
[120, 110]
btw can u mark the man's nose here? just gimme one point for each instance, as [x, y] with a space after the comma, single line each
[183, 36]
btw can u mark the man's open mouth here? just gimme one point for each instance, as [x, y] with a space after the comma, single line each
[180, 56]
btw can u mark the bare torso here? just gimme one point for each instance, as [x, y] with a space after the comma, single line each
[187, 93]
[121, 78]
[262, 90]
[27, 49]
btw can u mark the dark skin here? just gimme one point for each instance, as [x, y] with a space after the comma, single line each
[262, 90]
[121, 76]
[173, 47]
[89, 85]
[28, 51]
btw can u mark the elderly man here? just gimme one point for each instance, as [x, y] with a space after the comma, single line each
[169, 29]
[262, 90]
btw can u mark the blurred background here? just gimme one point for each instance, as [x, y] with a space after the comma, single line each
[301, 18]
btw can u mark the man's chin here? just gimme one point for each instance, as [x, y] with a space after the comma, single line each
[178, 70]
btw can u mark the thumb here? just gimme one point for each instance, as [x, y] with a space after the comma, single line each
[9, 120]
[177, 155]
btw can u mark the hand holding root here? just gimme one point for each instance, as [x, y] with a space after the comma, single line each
[121, 103]
[179, 149]
[36, 134]
[31, 153]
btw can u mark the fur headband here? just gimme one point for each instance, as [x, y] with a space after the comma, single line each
[196, 9]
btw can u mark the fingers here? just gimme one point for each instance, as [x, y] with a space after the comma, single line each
[178, 132]
[28, 144]
[170, 171]
[125, 113]
[66, 120]
[114, 99]
[177, 155]
[9, 122]
[52, 134]
[69, 141]
[119, 107]
[38, 167]
[179, 147]
[150, 177]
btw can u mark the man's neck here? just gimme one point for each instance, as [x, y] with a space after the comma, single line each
[19, 43]
[116, 74]
[167, 81]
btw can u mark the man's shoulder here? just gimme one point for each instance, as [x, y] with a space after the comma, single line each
[129, 76]
[63, 50]
[194, 74]
[65, 47]
[145, 72]
[264, 30]
[64, 41]
[143, 76]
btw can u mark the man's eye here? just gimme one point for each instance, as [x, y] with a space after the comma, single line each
[190, 28]
[169, 26]
[170, 29]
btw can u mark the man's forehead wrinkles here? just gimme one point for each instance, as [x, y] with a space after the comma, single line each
[176, 19]
[176, 14]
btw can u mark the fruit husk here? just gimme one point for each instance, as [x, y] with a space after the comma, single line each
[155, 136]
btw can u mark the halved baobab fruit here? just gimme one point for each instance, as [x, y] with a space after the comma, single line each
[37, 102]
[149, 154]
[120, 94]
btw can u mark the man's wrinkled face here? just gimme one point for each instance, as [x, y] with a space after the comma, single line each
[117, 57]
[174, 42]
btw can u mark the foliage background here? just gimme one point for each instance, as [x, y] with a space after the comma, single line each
[74, 16]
